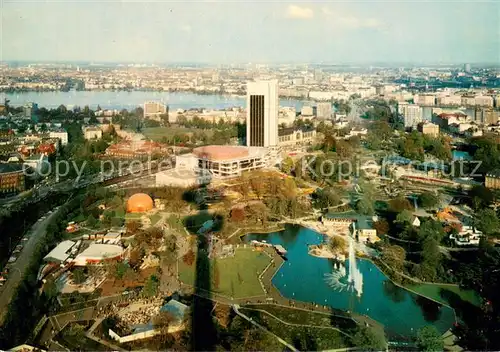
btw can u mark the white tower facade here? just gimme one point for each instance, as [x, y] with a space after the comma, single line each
[262, 113]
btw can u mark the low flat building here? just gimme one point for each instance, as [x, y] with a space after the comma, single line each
[92, 132]
[60, 253]
[98, 253]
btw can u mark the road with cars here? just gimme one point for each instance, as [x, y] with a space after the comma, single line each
[17, 269]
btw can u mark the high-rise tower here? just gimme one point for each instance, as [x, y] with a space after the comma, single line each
[262, 113]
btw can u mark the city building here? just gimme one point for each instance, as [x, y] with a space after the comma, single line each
[136, 149]
[324, 110]
[444, 120]
[468, 100]
[485, 116]
[11, 178]
[62, 135]
[39, 163]
[92, 132]
[61, 253]
[307, 111]
[492, 179]
[467, 68]
[412, 114]
[154, 110]
[483, 100]
[428, 128]
[425, 99]
[214, 162]
[286, 116]
[450, 100]
[29, 110]
[262, 113]
[296, 136]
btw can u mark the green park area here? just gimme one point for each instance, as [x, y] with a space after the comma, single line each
[236, 276]
[439, 292]
[159, 133]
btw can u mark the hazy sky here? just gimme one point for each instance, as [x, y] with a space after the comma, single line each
[253, 31]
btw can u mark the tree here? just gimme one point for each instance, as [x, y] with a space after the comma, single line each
[487, 221]
[399, 204]
[133, 226]
[370, 339]
[287, 165]
[481, 197]
[365, 206]
[79, 276]
[381, 226]
[394, 256]
[151, 286]
[404, 217]
[429, 339]
[337, 243]
[91, 221]
[428, 200]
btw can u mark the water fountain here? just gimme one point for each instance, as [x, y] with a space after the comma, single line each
[355, 276]
[336, 279]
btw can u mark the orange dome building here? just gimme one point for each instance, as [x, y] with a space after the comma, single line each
[139, 203]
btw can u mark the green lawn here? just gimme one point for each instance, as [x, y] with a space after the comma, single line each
[303, 338]
[157, 133]
[133, 216]
[238, 276]
[434, 292]
[154, 219]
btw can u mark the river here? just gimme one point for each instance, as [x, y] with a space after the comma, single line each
[130, 100]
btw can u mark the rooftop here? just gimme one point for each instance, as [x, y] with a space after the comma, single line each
[60, 252]
[7, 168]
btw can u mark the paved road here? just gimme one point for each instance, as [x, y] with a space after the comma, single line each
[18, 269]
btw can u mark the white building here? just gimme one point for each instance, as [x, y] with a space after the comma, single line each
[324, 110]
[287, 115]
[214, 162]
[62, 135]
[262, 113]
[484, 100]
[154, 110]
[306, 111]
[92, 132]
[412, 114]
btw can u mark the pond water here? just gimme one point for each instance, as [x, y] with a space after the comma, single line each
[460, 155]
[302, 278]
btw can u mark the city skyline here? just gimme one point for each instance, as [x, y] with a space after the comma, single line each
[227, 32]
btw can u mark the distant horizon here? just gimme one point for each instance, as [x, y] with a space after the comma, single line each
[274, 63]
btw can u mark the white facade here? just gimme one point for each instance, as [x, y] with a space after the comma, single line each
[92, 133]
[61, 135]
[262, 113]
[324, 110]
[412, 114]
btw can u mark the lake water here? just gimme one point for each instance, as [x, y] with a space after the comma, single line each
[130, 100]
[302, 278]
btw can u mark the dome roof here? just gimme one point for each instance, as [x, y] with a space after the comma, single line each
[139, 203]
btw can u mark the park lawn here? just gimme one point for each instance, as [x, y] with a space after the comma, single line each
[157, 133]
[154, 219]
[133, 216]
[238, 275]
[302, 337]
[434, 291]
[299, 316]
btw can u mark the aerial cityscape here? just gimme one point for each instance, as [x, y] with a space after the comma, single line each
[249, 176]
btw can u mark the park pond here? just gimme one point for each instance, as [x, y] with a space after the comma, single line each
[304, 278]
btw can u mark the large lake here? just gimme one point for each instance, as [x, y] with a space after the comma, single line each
[130, 100]
[302, 278]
